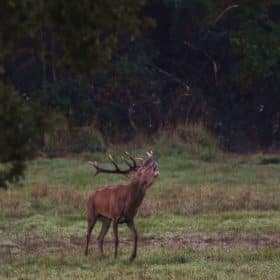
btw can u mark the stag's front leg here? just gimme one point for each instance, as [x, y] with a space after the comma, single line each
[116, 237]
[135, 238]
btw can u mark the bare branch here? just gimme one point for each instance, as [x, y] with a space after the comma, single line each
[218, 18]
[172, 76]
[214, 64]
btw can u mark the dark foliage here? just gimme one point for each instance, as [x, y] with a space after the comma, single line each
[20, 125]
[134, 67]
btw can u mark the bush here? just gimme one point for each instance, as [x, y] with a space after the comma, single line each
[89, 139]
[59, 138]
[20, 126]
[191, 138]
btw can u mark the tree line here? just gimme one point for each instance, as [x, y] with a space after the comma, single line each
[128, 67]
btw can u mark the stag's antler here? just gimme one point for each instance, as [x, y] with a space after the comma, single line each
[150, 153]
[134, 164]
[131, 166]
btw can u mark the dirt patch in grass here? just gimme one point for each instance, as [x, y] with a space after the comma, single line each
[196, 242]
[37, 246]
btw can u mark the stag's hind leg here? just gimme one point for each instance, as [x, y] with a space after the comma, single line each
[105, 227]
[92, 218]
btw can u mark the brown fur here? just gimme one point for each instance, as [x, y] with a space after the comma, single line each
[119, 204]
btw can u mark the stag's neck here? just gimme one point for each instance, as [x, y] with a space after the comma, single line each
[137, 189]
[137, 194]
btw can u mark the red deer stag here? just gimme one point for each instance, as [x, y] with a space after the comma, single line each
[119, 204]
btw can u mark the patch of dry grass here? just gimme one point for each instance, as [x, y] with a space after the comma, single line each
[59, 197]
[11, 205]
[179, 200]
[197, 214]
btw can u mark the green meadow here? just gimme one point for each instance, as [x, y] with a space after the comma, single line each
[214, 219]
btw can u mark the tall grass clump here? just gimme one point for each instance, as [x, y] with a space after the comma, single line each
[194, 139]
[88, 138]
[57, 136]
[61, 138]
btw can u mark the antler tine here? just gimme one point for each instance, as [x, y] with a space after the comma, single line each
[95, 164]
[150, 153]
[127, 162]
[139, 158]
[132, 159]
[113, 161]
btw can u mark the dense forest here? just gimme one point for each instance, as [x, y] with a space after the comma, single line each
[88, 73]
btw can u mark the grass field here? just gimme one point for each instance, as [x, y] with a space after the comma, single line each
[201, 220]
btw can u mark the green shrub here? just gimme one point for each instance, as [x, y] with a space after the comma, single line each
[59, 138]
[87, 138]
[194, 139]
[20, 127]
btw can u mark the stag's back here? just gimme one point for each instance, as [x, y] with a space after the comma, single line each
[109, 201]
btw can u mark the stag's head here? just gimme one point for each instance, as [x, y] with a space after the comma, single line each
[146, 173]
